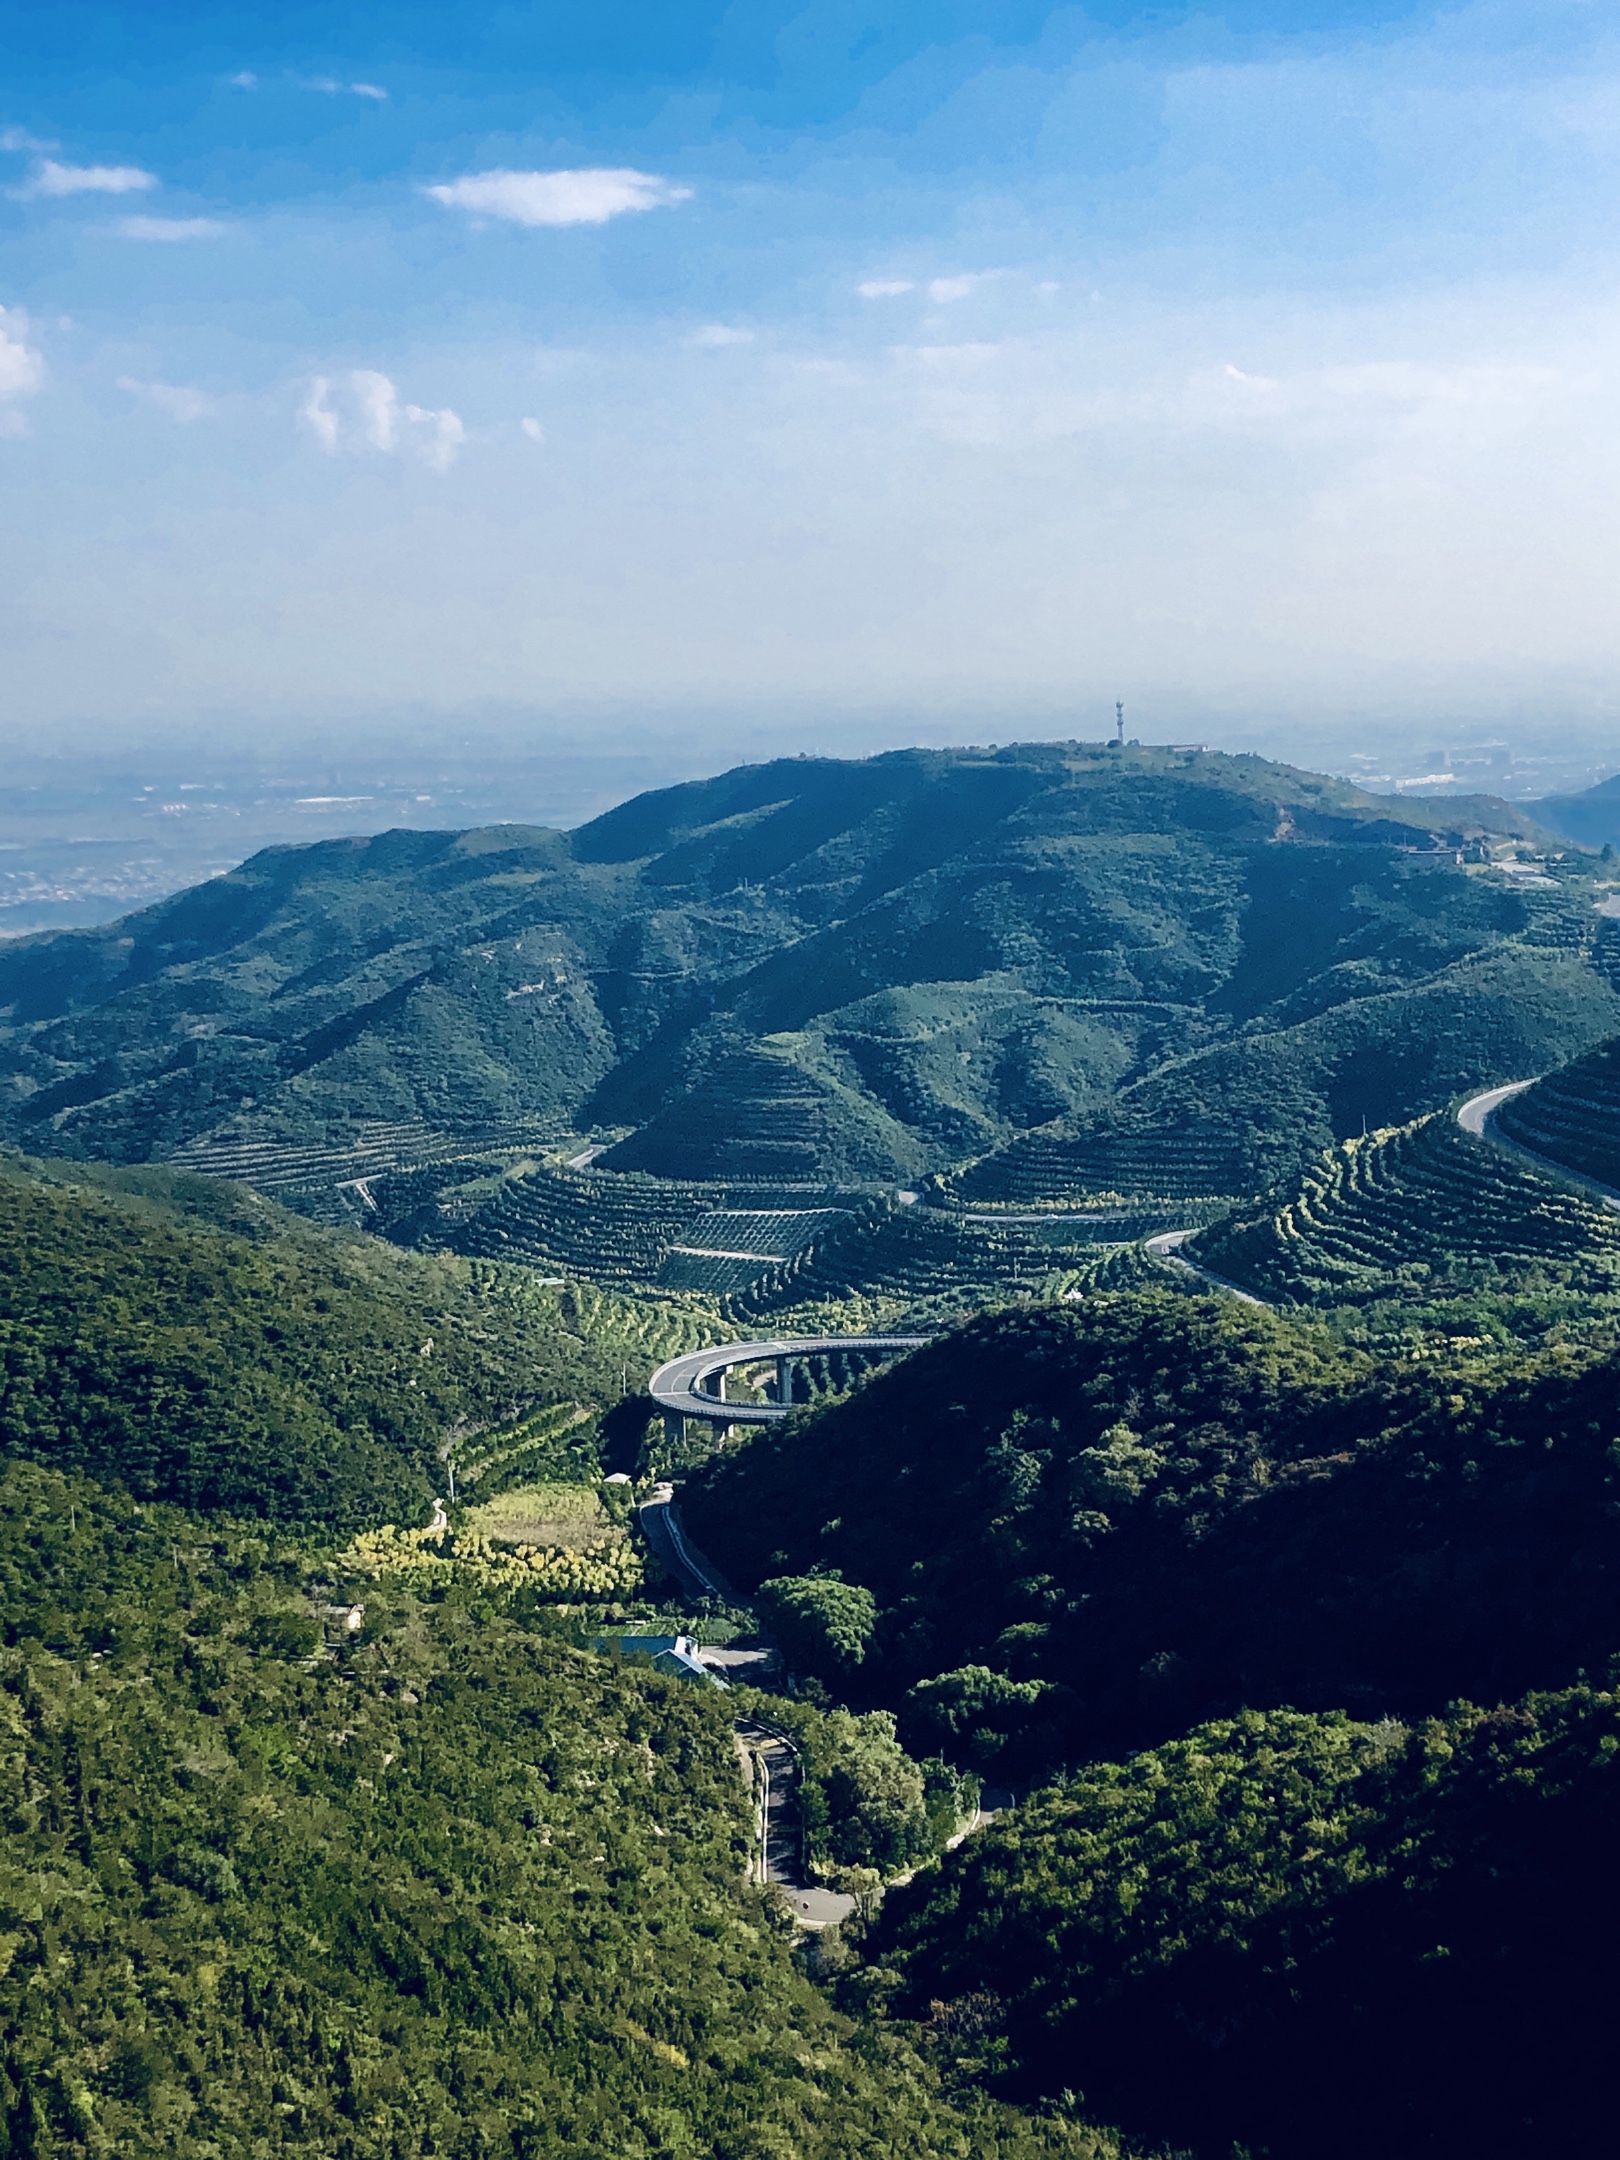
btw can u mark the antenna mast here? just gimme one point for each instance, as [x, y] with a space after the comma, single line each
[1119, 723]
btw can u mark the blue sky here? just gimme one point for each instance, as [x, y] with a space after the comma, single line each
[954, 364]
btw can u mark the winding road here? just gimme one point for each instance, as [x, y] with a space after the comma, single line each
[1478, 1116]
[1167, 1247]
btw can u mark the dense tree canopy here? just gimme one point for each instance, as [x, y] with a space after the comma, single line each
[1086, 1526]
[449, 1886]
[1299, 1935]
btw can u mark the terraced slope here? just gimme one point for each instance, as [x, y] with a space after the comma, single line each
[606, 1229]
[1573, 1115]
[1417, 1209]
[729, 1248]
[868, 971]
[1245, 1117]
[920, 1255]
[624, 1227]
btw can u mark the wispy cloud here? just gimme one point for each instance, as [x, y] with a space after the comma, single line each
[177, 400]
[884, 288]
[368, 415]
[245, 79]
[15, 138]
[585, 195]
[533, 429]
[170, 229]
[944, 290]
[55, 179]
[718, 334]
[319, 417]
[22, 369]
[329, 86]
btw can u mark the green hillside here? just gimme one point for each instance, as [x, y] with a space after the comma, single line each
[1417, 1213]
[1084, 1526]
[1245, 1116]
[1573, 1115]
[441, 1885]
[1298, 1935]
[1083, 970]
[198, 1344]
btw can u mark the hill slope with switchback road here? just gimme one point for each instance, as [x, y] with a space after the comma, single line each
[1085, 971]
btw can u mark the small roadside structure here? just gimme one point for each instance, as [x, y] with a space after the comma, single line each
[677, 1654]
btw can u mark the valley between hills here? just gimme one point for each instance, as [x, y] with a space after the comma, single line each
[1198, 1709]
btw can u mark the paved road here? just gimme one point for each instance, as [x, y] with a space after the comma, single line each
[661, 1526]
[1167, 1247]
[1478, 1116]
[682, 1387]
[780, 1858]
[1475, 1114]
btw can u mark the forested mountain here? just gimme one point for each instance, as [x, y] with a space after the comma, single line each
[1300, 1936]
[197, 1344]
[821, 971]
[324, 1836]
[440, 1885]
[1082, 1527]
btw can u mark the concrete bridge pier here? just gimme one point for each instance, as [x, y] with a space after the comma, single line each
[674, 1428]
[786, 1367]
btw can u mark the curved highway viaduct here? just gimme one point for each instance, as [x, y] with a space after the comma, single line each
[694, 1386]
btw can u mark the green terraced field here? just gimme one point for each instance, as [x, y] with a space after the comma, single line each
[730, 1248]
[1416, 1209]
[615, 1226]
[1573, 1115]
[1160, 1172]
[912, 1257]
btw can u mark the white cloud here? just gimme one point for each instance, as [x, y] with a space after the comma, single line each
[884, 288]
[370, 416]
[442, 444]
[55, 179]
[246, 80]
[722, 334]
[943, 290]
[533, 429]
[1250, 382]
[586, 195]
[22, 369]
[320, 417]
[20, 139]
[379, 407]
[176, 399]
[329, 86]
[170, 229]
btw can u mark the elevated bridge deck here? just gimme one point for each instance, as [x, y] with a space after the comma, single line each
[694, 1386]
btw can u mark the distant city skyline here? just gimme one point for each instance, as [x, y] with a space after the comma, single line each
[812, 375]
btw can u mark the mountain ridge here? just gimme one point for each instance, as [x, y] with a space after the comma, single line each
[875, 970]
